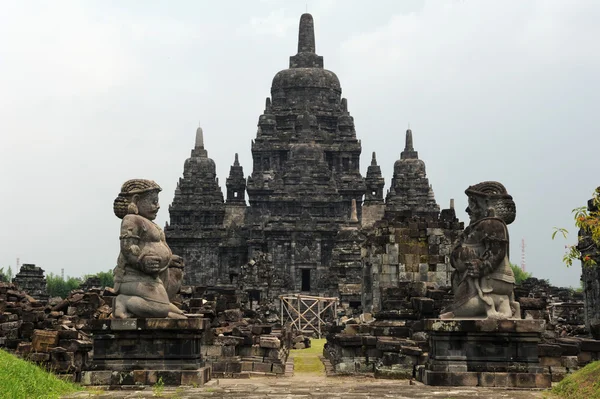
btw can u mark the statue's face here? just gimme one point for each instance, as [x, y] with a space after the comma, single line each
[476, 209]
[148, 205]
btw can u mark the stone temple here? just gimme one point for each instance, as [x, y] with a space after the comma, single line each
[299, 221]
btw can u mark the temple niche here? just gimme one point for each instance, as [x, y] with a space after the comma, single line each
[305, 212]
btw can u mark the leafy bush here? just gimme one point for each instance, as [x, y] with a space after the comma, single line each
[57, 286]
[520, 275]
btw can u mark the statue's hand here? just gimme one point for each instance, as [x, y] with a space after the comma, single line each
[151, 264]
[176, 261]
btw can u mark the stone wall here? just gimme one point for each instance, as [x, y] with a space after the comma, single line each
[371, 214]
[390, 343]
[406, 251]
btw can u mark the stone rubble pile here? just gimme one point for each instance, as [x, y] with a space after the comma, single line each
[561, 308]
[53, 334]
[239, 343]
[391, 343]
[301, 341]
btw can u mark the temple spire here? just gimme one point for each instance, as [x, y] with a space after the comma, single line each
[374, 159]
[306, 34]
[409, 151]
[199, 138]
[409, 141]
[236, 162]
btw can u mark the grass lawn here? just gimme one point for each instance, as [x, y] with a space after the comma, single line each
[307, 360]
[583, 384]
[22, 379]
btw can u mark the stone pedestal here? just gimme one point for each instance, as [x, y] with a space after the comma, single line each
[143, 351]
[490, 353]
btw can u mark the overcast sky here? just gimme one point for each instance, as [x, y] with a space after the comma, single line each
[93, 93]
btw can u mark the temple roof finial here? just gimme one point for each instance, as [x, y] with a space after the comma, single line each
[374, 159]
[199, 137]
[344, 105]
[306, 34]
[409, 141]
[236, 162]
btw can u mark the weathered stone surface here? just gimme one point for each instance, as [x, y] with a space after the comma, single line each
[305, 177]
[148, 275]
[43, 341]
[484, 283]
[269, 342]
[31, 280]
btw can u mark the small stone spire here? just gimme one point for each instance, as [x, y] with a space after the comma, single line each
[353, 213]
[199, 138]
[451, 203]
[344, 104]
[306, 56]
[409, 151]
[236, 184]
[306, 34]
[374, 182]
[268, 106]
[409, 141]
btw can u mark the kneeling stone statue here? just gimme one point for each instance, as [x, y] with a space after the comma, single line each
[147, 275]
[483, 281]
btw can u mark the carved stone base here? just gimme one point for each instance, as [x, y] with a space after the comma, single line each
[487, 352]
[141, 351]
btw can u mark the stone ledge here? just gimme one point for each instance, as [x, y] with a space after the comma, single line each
[484, 325]
[486, 379]
[142, 378]
[106, 325]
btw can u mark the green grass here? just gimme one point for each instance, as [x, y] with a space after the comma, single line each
[307, 360]
[584, 383]
[22, 379]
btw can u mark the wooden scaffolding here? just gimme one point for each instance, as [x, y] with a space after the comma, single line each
[307, 313]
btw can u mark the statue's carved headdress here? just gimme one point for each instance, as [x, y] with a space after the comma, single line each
[500, 203]
[122, 205]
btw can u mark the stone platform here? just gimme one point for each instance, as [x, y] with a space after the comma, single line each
[489, 353]
[144, 351]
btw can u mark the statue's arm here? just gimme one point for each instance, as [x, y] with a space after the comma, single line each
[496, 245]
[130, 241]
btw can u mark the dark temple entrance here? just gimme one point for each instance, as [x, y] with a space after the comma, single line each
[305, 279]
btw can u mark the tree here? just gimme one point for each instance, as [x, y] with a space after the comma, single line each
[520, 275]
[57, 286]
[106, 278]
[587, 219]
[6, 276]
